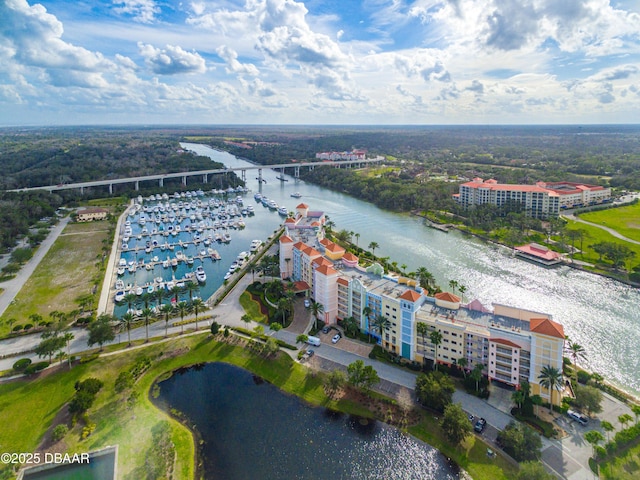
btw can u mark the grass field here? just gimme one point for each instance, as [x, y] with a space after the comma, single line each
[29, 407]
[597, 235]
[68, 270]
[624, 220]
[626, 467]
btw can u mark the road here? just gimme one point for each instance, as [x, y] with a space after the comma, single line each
[13, 286]
[613, 232]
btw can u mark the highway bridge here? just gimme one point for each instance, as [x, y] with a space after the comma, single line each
[204, 174]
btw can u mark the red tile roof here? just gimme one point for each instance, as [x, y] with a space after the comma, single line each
[290, 220]
[448, 297]
[538, 251]
[410, 295]
[326, 270]
[545, 326]
[350, 257]
[343, 281]
[301, 286]
[325, 241]
[303, 205]
[334, 247]
[505, 342]
[285, 239]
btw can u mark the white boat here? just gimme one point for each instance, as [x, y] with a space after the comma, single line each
[296, 195]
[272, 205]
[227, 275]
[251, 210]
[189, 260]
[255, 245]
[119, 285]
[119, 296]
[166, 263]
[283, 211]
[139, 291]
[150, 288]
[174, 262]
[201, 276]
[120, 270]
[226, 238]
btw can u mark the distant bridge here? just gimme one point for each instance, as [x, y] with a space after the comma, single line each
[204, 174]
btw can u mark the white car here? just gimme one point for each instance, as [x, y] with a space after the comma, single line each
[336, 338]
[307, 303]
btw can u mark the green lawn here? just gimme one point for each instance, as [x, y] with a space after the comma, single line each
[597, 235]
[626, 467]
[28, 407]
[67, 271]
[624, 220]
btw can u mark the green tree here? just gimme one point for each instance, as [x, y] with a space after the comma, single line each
[588, 398]
[537, 401]
[68, 336]
[381, 323]
[147, 315]
[463, 363]
[455, 424]
[593, 437]
[183, 309]
[198, 306]
[436, 338]
[551, 379]
[302, 338]
[533, 471]
[520, 441]
[372, 247]
[59, 432]
[422, 329]
[607, 427]
[576, 351]
[518, 398]
[624, 419]
[636, 411]
[246, 319]
[101, 331]
[361, 376]
[316, 309]
[270, 347]
[476, 374]
[333, 382]
[434, 390]
[166, 310]
[215, 328]
[127, 319]
[49, 345]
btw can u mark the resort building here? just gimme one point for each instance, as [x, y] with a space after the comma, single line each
[513, 344]
[541, 200]
[353, 155]
[92, 213]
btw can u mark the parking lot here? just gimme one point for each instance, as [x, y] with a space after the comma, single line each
[345, 343]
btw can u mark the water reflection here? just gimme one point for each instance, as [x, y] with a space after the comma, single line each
[254, 431]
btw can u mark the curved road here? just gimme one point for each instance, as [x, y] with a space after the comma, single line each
[606, 229]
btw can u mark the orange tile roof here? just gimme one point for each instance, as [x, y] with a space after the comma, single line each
[448, 297]
[545, 326]
[300, 245]
[350, 257]
[325, 241]
[334, 247]
[343, 281]
[322, 261]
[290, 220]
[410, 295]
[301, 286]
[285, 239]
[303, 205]
[326, 270]
[505, 342]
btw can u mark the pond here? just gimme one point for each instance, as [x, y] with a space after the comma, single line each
[252, 430]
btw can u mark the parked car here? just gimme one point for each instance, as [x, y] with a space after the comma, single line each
[326, 329]
[307, 303]
[578, 417]
[479, 426]
[310, 353]
[336, 338]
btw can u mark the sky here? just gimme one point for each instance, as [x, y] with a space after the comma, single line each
[383, 62]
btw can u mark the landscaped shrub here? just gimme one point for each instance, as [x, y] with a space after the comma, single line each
[583, 377]
[22, 364]
[36, 367]
[28, 326]
[17, 328]
[59, 432]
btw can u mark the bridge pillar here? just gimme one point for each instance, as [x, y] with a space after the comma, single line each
[111, 189]
[81, 190]
[161, 182]
[184, 180]
[296, 172]
[205, 178]
[137, 185]
[260, 176]
[243, 174]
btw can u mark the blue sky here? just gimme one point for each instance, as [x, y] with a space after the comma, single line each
[319, 62]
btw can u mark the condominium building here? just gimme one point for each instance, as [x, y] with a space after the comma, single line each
[513, 344]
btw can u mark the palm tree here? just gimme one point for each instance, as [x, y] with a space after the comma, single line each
[436, 338]
[128, 319]
[283, 306]
[537, 401]
[476, 374]
[381, 323]
[198, 306]
[159, 294]
[147, 314]
[636, 411]
[463, 363]
[190, 288]
[175, 293]
[372, 247]
[166, 310]
[182, 308]
[453, 284]
[551, 379]
[576, 352]
[422, 329]
[68, 336]
[593, 437]
[316, 309]
[607, 427]
[462, 289]
[131, 299]
[366, 313]
[357, 235]
[518, 398]
[146, 299]
[246, 319]
[624, 419]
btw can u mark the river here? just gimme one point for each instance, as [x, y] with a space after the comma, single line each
[600, 314]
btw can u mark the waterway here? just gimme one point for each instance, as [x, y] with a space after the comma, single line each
[600, 314]
[251, 430]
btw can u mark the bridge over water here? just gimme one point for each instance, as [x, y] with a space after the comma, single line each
[204, 174]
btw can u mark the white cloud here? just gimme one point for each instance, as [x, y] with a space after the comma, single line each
[142, 11]
[171, 60]
[233, 65]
